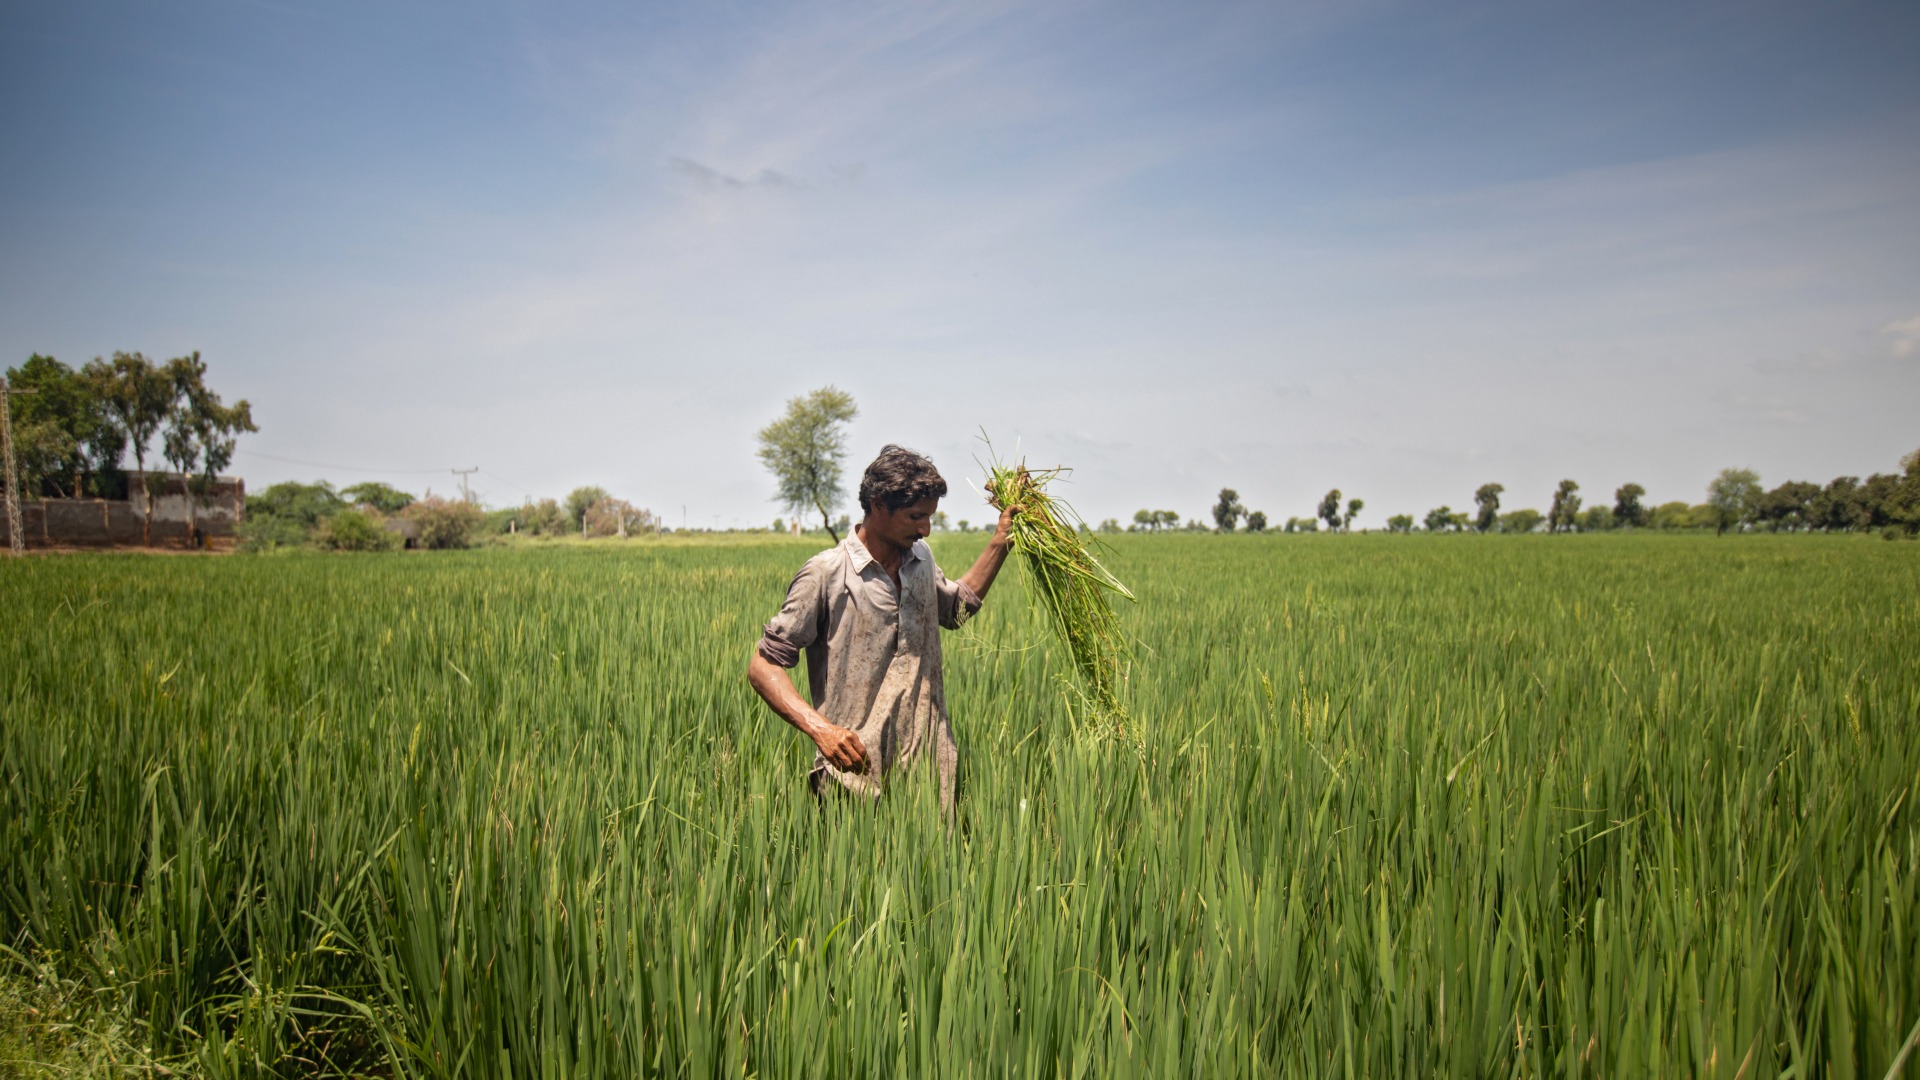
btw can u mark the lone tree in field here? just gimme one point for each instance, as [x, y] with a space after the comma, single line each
[1354, 506]
[1488, 500]
[805, 449]
[1228, 511]
[1733, 496]
[1628, 511]
[1330, 510]
[1565, 510]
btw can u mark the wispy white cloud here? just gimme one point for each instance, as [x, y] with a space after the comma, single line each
[1904, 336]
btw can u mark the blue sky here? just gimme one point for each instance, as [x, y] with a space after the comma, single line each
[1398, 248]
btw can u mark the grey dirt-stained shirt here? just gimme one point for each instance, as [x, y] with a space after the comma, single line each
[873, 657]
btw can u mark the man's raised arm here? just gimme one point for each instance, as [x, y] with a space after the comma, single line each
[979, 577]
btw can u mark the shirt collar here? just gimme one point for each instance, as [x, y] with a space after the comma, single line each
[859, 557]
[857, 553]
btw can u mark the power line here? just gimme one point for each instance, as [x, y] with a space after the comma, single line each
[465, 494]
[509, 481]
[324, 465]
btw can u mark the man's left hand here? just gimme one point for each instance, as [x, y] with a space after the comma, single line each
[1005, 528]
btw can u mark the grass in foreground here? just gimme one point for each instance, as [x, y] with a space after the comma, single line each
[1398, 806]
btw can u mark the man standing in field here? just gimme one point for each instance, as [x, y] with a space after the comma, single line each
[868, 615]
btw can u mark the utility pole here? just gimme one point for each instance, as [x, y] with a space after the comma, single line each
[463, 474]
[16, 531]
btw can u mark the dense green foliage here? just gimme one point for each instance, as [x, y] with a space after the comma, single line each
[356, 530]
[445, 524]
[287, 514]
[65, 443]
[385, 498]
[1400, 805]
[75, 426]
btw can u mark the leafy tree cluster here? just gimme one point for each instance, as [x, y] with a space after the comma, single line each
[1330, 511]
[1523, 520]
[1154, 520]
[75, 427]
[1888, 503]
[378, 497]
[1229, 512]
[288, 514]
[65, 443]
[291, 514]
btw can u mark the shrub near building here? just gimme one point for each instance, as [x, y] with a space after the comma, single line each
[444, 523]
[288, 514]
[356, 530]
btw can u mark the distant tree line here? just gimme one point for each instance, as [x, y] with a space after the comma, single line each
[377, 517]
[1885, 503]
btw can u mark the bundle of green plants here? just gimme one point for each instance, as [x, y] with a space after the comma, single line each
[1074, 588]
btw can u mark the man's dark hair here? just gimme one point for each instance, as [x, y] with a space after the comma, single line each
[899, 478]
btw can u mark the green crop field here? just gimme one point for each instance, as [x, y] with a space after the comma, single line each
[1388, 806]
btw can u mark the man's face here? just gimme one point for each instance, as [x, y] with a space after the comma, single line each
[901, 527]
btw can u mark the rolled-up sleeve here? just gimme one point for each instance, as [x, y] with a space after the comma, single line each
[958, 601]
[797, 623]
